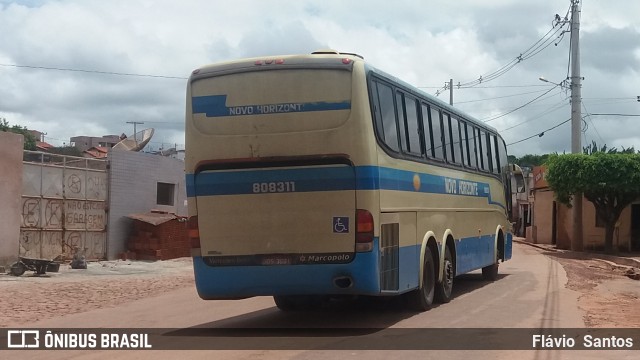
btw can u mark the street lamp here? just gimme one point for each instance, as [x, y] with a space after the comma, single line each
[541, 78]
[562, 84]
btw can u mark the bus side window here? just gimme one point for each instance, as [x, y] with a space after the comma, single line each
[388, 117]
[484, 151]
[448, 148]
[404, 142]
[413, 128]
[436, 128]
[464, 140]
[495, 158]
[426, 131]
[473, 146]
[377, 112]
[456, 143]
[502, 155]
[476, 136]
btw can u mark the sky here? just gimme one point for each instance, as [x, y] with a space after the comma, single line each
[91, 67]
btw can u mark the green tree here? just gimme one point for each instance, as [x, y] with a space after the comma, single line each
[593, 148]
[29, 139]
[531, 160]
[610, 180]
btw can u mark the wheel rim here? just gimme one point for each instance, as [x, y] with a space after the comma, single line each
[448, 275]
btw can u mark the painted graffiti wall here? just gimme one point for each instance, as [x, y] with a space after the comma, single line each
[64, 202]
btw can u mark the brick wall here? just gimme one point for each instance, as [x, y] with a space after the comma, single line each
[133, 180]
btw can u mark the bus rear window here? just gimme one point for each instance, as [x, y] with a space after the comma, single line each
[275, 101]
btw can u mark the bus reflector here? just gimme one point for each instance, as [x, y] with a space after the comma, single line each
[193, 232]
[346, 61]
[364, 231]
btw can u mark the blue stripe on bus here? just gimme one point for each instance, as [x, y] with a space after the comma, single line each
[508, 246]
[242, 182]
[472, 253]
[241, 281]
[332, 179]
[216, 106]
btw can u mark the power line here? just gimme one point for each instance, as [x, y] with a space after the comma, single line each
[93, 71]
[540, 134]
[488, 87]
[553, 108]
[629, 115]
[591, 120]
[500, 97]
[540, 45]
[521, 106]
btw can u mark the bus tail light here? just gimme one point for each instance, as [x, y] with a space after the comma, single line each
[364, 231]
[193, 232]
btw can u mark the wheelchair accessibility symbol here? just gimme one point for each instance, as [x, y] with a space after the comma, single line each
[340, 224]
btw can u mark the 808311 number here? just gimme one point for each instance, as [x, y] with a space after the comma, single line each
[274, 187]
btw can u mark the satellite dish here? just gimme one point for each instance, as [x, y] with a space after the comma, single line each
[136, 142]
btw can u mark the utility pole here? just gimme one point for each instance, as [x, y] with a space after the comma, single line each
[576, 118]
[451, 92]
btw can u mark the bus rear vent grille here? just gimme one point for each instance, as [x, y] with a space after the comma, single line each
[389, 255]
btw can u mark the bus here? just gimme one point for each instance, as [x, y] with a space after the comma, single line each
[317, 176]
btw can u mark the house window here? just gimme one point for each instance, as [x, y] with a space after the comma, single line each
[165, 194]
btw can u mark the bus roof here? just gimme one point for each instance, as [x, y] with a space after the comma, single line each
[323, 59]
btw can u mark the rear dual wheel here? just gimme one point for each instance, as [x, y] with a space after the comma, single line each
[444, 288]
[421, 299]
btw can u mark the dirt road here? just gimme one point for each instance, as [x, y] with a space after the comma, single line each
[607, 297]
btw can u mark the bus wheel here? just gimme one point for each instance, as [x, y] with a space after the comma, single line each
[490, 273]
[286, 303]
[421, 299]
[299, 302]
[444, 288]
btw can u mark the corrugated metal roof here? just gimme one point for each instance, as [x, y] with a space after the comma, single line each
[154, 218]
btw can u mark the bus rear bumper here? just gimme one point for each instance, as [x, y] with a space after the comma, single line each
[359, 277]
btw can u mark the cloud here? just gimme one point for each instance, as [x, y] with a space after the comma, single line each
[424, 44]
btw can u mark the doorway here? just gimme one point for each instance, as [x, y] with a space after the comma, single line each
[635, 227]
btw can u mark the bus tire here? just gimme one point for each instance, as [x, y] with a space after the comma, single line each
[445, 287]
[490, 273]
[285, 303]
[298, 302]
[421, 299]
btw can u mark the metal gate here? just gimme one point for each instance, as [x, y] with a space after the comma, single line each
[64, 201]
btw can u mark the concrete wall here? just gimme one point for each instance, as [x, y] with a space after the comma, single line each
[11, 146]
[542, 232]
[594, 236]
[133, 189]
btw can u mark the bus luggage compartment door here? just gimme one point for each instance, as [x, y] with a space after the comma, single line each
[277, 216]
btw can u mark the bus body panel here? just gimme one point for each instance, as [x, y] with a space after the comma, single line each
[293, 211]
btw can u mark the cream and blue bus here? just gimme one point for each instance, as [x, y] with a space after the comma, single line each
[319, 176]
